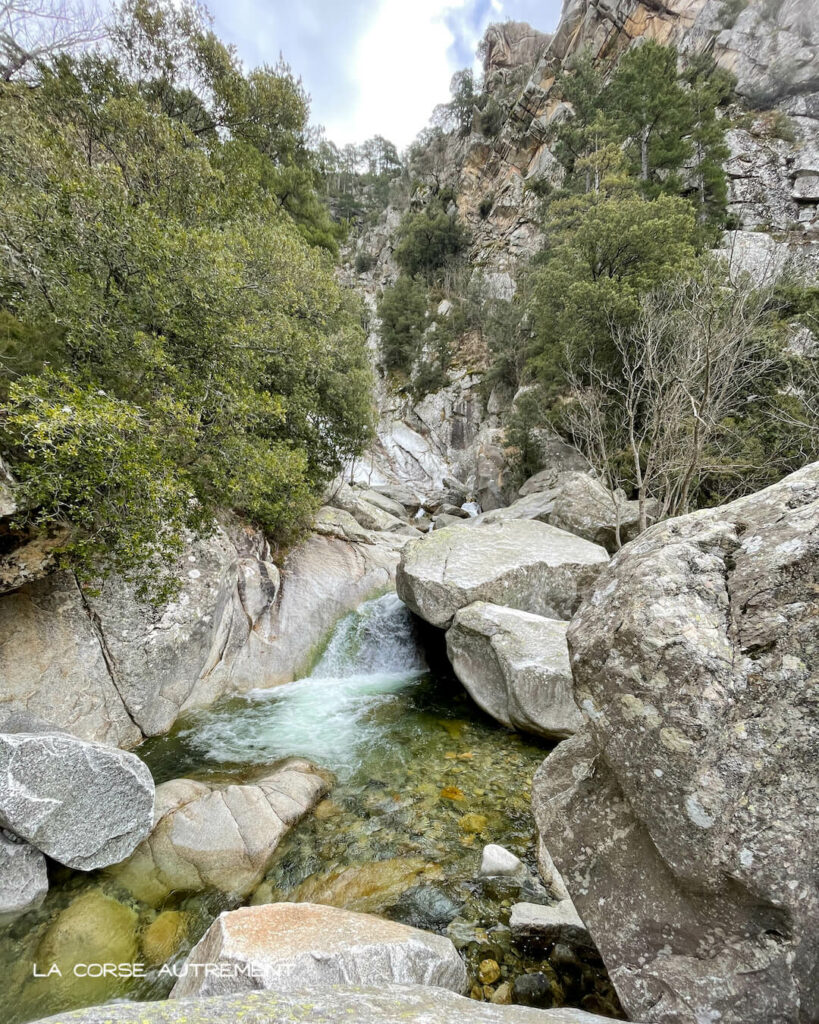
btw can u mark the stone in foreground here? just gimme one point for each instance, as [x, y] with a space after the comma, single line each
[523, 564]
[287, 946]
[83, 804]
[695, 661]
[23, 877]
[497, 860]
[387, 1004]
[219, 837]
[515, 666]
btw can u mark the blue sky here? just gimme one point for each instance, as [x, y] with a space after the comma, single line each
[371, 66]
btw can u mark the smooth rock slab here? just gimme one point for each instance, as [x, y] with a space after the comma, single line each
[515, 666]
[219, 837]
[286, 946]
[83, 804]
[522, 564]
[388, 1004]
[23, 877]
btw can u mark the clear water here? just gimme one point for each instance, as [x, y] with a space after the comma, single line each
[424, 780]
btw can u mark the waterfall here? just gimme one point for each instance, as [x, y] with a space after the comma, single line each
[371, 657]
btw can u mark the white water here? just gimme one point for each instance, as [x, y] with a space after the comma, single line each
[370, 659]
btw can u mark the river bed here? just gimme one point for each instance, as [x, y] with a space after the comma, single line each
[423, 781]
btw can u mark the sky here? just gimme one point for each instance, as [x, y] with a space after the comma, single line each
[372, 67]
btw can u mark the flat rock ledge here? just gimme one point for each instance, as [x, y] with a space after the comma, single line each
[387, 1004]
[286, 946]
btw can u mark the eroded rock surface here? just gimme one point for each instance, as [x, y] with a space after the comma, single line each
[293, 945]
[683, 816]
[515, 666]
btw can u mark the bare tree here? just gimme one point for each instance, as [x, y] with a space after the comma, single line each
[693, 358]
[33, 30]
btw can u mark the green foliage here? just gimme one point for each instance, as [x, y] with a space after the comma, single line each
[402, 310]
[429, 240]
[363, 262]
[172, 338]
[456, 116]
[605, 252]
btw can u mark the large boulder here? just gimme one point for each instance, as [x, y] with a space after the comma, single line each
[285, 946]
[515, 666]
[695, 661]
[83, 804]
[382, 1004]
[23, 876]
[209, 837]
[523, 564]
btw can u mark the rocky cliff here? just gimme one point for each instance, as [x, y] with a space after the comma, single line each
[773, 193]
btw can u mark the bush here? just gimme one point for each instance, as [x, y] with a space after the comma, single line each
[364, 261]
[428, 241]
[403, 311]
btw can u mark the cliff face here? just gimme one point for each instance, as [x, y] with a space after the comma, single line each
[771, 46]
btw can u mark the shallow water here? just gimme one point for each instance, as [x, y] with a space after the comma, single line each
[424, 780]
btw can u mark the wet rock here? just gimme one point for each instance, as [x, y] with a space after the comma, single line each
[524, 564]
[219, 837]
[367, 888]
[488, 972]
[541, 989]
[23, 877]
[497, 860]
[515, 666]
[695, 661]
[426, 907]
[94, 929]
[502, 994]
[163, 936]
[97, 820]
[290, 945]
[387, 1004]
[540, 925]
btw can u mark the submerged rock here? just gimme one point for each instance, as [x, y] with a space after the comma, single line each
[384, 1004]
[219, 837]
[286, 946]
[695, 660]
[96, 820]
[94, 929]
[23, 876]
[515, 666]
[523, 564]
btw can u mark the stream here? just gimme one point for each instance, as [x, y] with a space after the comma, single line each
[423, 781]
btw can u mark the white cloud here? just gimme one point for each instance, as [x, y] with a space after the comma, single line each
[402, 69]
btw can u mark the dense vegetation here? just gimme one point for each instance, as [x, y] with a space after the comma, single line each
[172, 338]
[625, 284]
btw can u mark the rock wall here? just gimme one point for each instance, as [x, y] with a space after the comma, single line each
[109, 667]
